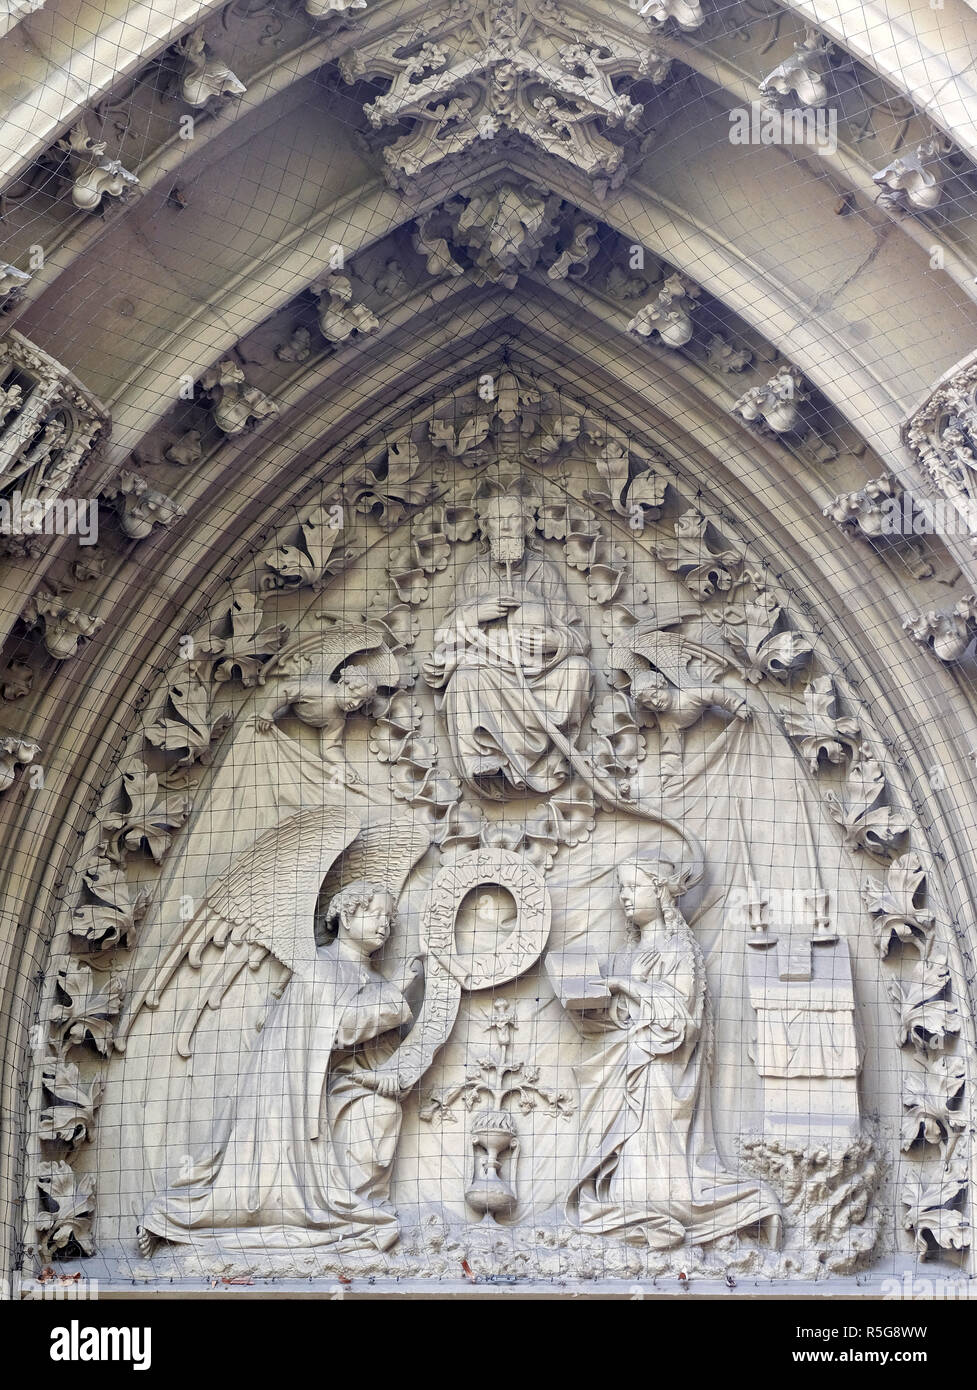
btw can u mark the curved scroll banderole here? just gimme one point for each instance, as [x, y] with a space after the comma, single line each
[445, 976]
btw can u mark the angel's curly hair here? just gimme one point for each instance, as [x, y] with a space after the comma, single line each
[355, 895]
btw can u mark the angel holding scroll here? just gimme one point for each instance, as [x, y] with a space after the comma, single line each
[303, 1154]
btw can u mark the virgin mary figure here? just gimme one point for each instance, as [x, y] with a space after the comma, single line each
[650, 1172]
[302, 1153]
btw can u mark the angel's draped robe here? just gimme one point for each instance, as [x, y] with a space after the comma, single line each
[650, 1173]
[492, 707]
[305, 1154]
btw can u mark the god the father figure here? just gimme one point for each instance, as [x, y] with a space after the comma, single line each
[511, 659]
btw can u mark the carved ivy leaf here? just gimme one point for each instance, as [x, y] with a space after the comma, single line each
[821, 732]
[151, 811]
[190, 732]
[926, 1016]
[65, 1218]
[892, 902]
[931, 1217]
[85, 1007]
[110, 920]
[867, 823]
[71, 1115]
[931, 1098]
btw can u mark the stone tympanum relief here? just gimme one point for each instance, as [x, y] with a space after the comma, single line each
[490, 890]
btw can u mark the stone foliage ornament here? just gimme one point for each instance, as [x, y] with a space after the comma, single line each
[776, 404]
[64, 628]
[669, 315]
[801, 79]
[204, 77]
[15, 751]
[236, 405]
[140, 507]
[339, 316]
[93, 175]
[914, 182]
[942, 437]
[687, 15]
[947, 633]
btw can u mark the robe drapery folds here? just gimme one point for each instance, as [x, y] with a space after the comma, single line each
[501, 677]
[650, 1173]
[304, 1157]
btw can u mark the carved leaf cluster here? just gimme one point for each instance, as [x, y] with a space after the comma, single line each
[892, 901]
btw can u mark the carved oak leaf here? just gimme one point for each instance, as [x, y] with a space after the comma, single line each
[65, 1218]
[931, 1098]
[892, 902]
[71, 1116]
[867, 823]
[612, 459]
[190, 733]
[245, 646]
[152, 809]
[110, 920]
[930, 1215]
[821, 731]
[86, 1007]
[926, 1016]
[461, 824]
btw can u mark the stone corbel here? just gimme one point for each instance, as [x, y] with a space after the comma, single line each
[15, 751]
[140, 507]
[64, 628]
[93, 176]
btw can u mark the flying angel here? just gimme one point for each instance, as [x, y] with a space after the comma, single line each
[673, 679]
[303, 1153]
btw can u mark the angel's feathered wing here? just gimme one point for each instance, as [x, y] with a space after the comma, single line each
[384, 852]
[338, 641]
[264, 903]
[669, 653]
